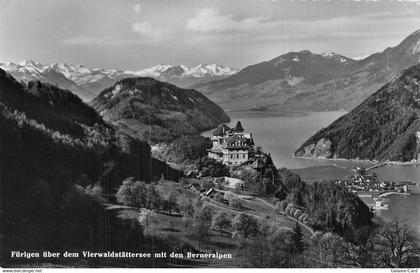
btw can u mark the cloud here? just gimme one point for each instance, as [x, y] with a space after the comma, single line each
[210, 20]
[137, 8]
[146, 34]
[143, 28]
[146, 30]
[88, 40]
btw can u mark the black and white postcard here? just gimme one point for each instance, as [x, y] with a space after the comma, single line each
[209, 134]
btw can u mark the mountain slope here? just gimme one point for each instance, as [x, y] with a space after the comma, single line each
[280, 77]
[303, 80]
[52, 146]
[386, 126]
[60, 120]
[364, 78]
[157, 111]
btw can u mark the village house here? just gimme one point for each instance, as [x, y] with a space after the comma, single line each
[232, 146]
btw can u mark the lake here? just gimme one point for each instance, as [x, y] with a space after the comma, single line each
[280, 134]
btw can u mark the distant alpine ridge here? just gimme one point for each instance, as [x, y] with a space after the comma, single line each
[386, 126]
[88, 82]
[310, 81]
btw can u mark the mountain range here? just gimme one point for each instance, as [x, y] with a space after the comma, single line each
[87, 82]
[309, 81]
[295, 80]
[386, 126]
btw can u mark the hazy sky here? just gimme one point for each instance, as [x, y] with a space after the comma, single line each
[134, 34]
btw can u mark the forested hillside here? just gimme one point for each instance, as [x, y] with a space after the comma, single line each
[53, 147]
[385, 126]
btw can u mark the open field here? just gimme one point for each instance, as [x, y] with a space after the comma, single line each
[173, 227]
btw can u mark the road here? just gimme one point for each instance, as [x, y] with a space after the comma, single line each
[289, 217]
[217, 204]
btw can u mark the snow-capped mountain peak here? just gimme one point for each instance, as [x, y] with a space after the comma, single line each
[88, 82]
[199, 71]
[335, 56]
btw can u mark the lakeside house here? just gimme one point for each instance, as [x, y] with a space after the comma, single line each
[372, 200]
[232, 183]
[232, 146]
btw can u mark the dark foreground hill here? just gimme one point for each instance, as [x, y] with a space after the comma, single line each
[52, 145]
[386, 126]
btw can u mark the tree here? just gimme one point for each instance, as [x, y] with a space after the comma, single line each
[281, 192]
[210, 167]
[183, 182]
[302, 218]
[329, 248]
[188, 210]
[187, 207]
[233, 200]
[153, 198]
[238, 188]
[281, 206]
[297, 214]
[162, 178]
[295, 197]
[246, 225]
[170, 202]
[263, 253]
[201, 232]
[204, 216]
[146, 217]
[207, 184]
[124, 194]
[288, 208]
[359, 250]
[297, 240]
[219, 197]
[269, 251]
[222, 220]
[396, 246]
[132, 193]
[139, 191]
[95, 191]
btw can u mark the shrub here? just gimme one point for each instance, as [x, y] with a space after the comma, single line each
[297, 213]
[288, 208]
[302, 217]
[292, 211]
[219, 197]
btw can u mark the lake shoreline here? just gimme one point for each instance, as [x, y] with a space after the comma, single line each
[394, 192]
[373, 162]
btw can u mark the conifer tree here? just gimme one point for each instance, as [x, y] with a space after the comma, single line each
[297, 243]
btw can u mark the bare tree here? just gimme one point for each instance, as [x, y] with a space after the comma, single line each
[396, 245]
[146, 217]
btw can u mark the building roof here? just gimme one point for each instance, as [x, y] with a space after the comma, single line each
[215, 151]
[221, 130]
[210, 191]
[238, 127]
[257, 164]
[231, 143]
[231, 182]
